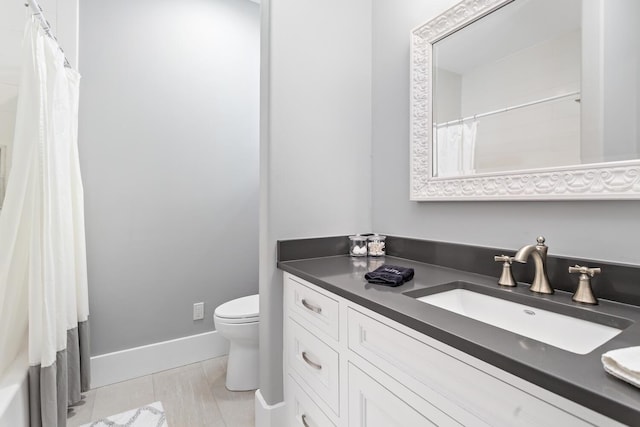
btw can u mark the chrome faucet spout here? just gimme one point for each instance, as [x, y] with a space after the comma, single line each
[540, 282]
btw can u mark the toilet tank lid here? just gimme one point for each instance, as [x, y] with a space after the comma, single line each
[240, 308]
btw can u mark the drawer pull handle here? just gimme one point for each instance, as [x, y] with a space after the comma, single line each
[304, 420]
[311, 307]
[310, 362]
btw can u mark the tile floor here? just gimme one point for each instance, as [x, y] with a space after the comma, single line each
[192, 395]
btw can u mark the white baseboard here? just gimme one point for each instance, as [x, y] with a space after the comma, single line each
[269, 415]
[148, 359]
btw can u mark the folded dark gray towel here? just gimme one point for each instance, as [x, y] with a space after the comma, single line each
[389, 275]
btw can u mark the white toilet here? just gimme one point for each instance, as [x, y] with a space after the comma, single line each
[237, 321]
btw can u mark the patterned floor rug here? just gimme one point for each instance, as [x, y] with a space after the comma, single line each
[151, 415]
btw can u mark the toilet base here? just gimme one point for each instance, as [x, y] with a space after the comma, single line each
[242, 367]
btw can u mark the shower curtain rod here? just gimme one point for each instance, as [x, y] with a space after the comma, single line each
[513, 107]
[45, 26]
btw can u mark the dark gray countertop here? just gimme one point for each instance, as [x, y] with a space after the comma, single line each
[580, 378]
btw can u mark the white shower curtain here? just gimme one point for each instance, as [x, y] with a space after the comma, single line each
[455, 149]
[43, 279]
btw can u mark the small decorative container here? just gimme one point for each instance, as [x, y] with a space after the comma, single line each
[358, 245]
[376, 245]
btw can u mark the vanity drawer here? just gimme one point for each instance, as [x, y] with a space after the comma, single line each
[373, 405]
[318, 309]
[302, 410]
[317, 364]
[447, 381]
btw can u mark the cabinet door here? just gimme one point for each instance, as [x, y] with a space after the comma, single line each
[448, 382]
[372, 405]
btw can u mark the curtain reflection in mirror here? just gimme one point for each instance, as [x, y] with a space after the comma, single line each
[455, 149]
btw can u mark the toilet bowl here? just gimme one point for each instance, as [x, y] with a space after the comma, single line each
[238, 321]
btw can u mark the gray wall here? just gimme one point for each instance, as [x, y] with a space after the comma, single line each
[602, 230]
[169, 150]
[315, 142]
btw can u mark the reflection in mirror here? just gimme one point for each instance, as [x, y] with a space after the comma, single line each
[507, 91]
[527, 99]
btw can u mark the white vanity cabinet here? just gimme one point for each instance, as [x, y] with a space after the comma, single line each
[346, 365]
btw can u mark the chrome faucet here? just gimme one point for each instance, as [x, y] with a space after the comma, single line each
[538, 251]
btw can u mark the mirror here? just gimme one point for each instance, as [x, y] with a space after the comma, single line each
[527, 99]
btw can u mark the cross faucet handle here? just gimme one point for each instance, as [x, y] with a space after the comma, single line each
[584, 293]
[585, 270]
[506, 278]
[503, 258]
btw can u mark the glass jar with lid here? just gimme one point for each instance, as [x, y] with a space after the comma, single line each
[376, 245]
[358, 245]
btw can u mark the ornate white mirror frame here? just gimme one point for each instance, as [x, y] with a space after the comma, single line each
[611, 180]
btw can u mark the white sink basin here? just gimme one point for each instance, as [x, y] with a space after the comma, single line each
[568, 333]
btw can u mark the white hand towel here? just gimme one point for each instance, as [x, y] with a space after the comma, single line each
[623, 363]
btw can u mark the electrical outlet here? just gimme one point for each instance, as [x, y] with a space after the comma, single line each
[198, 311]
